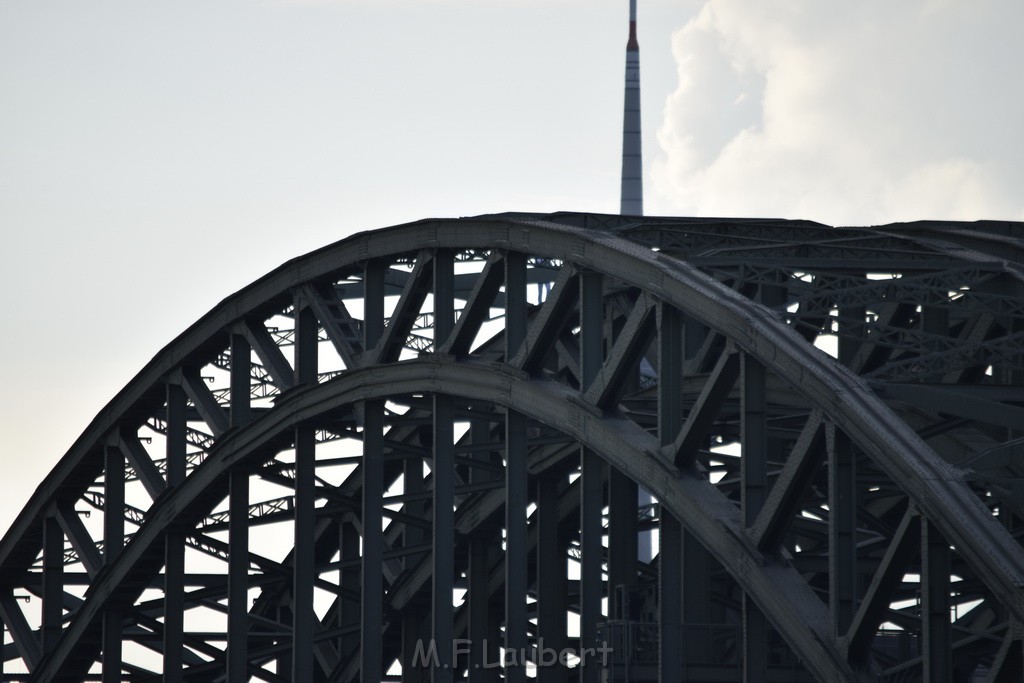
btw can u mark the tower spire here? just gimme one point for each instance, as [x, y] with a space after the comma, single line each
[632, 196]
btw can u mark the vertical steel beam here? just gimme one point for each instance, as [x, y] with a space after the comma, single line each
[696, 560]
[754, 478]
[842, 520]
[285, 619]
[304, 570]
[843, 491]
[670, 373]
[112, 645]
[493, 649]
[670, 598]
[591, 480]
[372, 566]
[622, 542]
[350, 577]
[444, 296]
[516, 567]
[238, 531]
[515, 302]
[113, 503]
[307, 332]
[591, 326]
[53, 579]
[373, 541]
[697, 607]
[174, 543]
[937, 644]
[591, 561]
[754, 439]
[373, 302]
[177, 426]
[414, 627]
[670, 553]
[551, 581]
[478, 577]
[693, 337]
[241, 358]
[935, 321]
[481, 550]
[113, 542]
[516, 496]
[443, 476]
[624, 497]
[238, 575]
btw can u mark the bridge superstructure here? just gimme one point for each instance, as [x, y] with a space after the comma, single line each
[434, 434]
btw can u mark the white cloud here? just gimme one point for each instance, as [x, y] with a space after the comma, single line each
[847, 113]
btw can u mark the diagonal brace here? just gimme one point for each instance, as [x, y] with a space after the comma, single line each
[142, 463]
[478, 305]
[549, 322]
[341, 328]
[886, 581]
[417, 286]
[269, 353]
[25, 640]
[785, 496]
[635, 337]
[683, 451]
[204, 401]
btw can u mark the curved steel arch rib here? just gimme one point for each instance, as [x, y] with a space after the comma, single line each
[620, 442]
[743, 333]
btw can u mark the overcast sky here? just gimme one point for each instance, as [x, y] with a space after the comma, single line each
[157, 156]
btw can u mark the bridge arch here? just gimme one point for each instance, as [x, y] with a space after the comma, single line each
[642, 354]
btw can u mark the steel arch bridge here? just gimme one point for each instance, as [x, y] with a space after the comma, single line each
[727, 449]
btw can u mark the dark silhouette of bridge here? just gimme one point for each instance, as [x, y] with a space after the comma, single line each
[433, 435]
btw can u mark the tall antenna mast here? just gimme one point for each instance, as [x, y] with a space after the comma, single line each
[632, 197]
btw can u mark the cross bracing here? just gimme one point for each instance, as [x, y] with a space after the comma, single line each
[439, 431]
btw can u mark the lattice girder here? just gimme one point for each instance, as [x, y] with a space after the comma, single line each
[313, 400]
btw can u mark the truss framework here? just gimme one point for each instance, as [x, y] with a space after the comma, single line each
[827, 421]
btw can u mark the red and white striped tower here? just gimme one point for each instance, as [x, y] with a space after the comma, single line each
[632, 197]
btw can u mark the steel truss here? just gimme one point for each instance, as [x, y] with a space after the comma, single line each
[441, 430]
